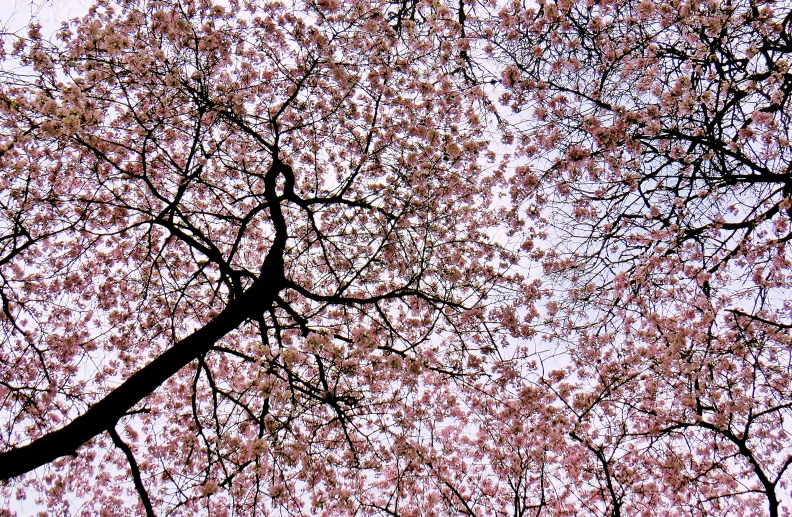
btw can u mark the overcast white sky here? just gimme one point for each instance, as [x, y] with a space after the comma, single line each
[16, 14]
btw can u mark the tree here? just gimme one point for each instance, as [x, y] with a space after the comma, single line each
[239, 245]
[263, 258]
[656, 140]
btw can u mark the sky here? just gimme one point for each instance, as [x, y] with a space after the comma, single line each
[16, 14]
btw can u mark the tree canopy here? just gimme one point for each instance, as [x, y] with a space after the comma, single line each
[403, 258]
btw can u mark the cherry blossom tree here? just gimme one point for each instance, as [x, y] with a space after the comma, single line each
[263, 258]
[240, 245]
[654, 140]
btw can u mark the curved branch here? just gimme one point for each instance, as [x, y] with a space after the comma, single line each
[144, 497]
[105, 413]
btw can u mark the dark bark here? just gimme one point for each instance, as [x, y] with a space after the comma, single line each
[135, 469]
[103, 415]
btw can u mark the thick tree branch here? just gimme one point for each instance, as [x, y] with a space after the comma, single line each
[106, 412]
